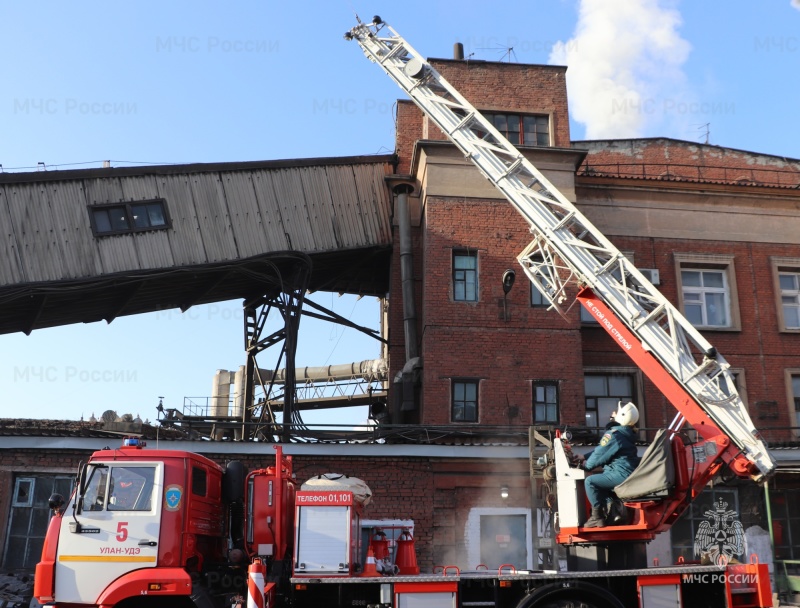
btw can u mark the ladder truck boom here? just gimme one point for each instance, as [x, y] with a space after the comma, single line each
[567, 250]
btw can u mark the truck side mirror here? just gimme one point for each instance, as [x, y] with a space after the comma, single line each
[56, 503]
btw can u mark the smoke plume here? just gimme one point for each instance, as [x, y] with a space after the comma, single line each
[625, 65]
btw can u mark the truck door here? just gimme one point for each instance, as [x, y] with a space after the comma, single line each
[114, 530]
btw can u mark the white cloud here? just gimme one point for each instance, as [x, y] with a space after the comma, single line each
[796, 4]
[625, 60]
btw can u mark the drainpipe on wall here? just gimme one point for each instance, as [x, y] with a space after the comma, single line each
[407, 271]
[409, 375]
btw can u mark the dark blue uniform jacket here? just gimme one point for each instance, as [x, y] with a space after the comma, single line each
[617, 451]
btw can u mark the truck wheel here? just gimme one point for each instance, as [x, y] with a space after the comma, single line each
[578, 594]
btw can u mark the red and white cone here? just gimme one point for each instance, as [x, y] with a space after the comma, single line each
[255, 584]
[369, 568]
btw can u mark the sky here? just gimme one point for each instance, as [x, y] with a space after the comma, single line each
[184, 82]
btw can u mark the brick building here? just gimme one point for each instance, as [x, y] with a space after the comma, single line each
[714, 227]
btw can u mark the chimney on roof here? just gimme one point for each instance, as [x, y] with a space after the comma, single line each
[458, 51]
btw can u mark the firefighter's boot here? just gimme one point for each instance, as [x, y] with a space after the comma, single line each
[597, 520]
[617, 513]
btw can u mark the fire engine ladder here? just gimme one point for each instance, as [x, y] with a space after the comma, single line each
[567, 248]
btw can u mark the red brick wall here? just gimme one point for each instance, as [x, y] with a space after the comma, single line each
[759, 347]
[473, 339]
[512, 87]
[447, 224]
[658, 156]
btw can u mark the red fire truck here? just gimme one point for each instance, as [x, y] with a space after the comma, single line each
[152, 528]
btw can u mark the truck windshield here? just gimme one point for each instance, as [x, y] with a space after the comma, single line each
[95, 497]
[120, 488]
[131, 488]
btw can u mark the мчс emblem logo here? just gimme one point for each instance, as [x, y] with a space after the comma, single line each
[172, 497]
[720, 536]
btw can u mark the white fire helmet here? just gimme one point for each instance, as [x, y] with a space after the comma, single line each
[627, 414]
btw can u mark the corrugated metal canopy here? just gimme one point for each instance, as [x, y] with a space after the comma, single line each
[231, 224]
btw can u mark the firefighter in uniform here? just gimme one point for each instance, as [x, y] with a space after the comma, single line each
[618, 456]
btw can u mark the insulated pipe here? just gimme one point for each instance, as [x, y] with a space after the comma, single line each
[407, 271]
[371, 369]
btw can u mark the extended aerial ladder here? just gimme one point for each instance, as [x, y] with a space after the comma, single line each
[569, 253]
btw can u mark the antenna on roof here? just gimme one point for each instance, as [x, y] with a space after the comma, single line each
[508, 51]
[707, 134]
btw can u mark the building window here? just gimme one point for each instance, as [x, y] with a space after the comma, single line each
[739, 382]
[465, 276]
[500, 535]
[23, 492]
[793, 398]
[705, 297]
[545, 401]
[790, 299]
[796, 400]
[705, 508]
[465, 401]
[603, 392]
[28, 519]
[123, 218]
[537, 299]
[587, 317]
[522, 129]
[785, 522]
[708, 291]
[786, 274]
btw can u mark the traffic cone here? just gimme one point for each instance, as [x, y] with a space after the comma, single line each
[369, 567]
[255, 584]
[406, 557]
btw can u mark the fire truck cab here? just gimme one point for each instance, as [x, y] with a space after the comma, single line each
[139, 523]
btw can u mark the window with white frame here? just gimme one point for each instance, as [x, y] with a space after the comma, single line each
[786, 273]
[708, 295]
[705, 297]
[790, 298]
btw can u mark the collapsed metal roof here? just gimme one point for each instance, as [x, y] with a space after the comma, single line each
[233, 226]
